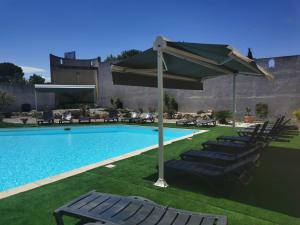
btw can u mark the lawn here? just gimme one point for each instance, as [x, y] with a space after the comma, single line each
[272, 197]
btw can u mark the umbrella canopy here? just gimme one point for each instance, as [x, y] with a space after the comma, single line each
[185, 65]
[181, 65]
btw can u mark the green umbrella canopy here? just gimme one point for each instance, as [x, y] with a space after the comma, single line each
[186, 65]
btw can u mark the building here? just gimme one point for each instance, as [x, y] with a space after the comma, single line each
[72, 71]
[281, 95]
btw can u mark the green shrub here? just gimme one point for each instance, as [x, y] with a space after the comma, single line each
[248, 111]
[262, 110]
[5, 100]
[170, 105]
[296, 113]
[116, 103]
[223, 115]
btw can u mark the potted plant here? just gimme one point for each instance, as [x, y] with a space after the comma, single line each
[296, 113]
[261, 110]
[248, 118]
[5, 101]
[222, 116]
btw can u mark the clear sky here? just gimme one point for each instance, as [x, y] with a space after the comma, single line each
[31, 29]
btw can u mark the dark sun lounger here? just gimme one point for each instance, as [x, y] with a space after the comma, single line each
[225, 157]
[114, 210]
[254, 135]
[214, 174]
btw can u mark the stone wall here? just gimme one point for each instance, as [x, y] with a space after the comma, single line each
[282, 95]
[25, 94]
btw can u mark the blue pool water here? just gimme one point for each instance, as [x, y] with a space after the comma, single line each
[28, 155]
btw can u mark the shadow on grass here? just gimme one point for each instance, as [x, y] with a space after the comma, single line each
[275, 185]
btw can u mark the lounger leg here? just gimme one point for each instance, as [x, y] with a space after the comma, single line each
[59, 219]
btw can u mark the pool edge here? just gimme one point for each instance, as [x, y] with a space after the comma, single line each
[52, 179]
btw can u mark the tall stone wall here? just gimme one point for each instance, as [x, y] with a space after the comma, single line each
[282, 94]
[24, 94]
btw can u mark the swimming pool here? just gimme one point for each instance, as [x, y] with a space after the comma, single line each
[31, 154]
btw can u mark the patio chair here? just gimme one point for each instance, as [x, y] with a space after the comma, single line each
[84, 119]
[206, 122]
[66, 117]
[186, 121]
[112, 117]
[109, 209]
[48, 118]
[148, 117]
[135, 118]
[215, 175]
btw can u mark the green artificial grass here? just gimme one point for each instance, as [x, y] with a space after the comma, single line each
[271, 198]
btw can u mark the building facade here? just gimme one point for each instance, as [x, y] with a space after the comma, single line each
[71, 71]
[282, 95]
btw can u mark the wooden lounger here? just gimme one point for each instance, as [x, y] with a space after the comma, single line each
[114, 209]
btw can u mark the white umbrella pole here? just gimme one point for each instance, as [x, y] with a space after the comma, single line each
[233, 99]
[161, 181]
[35, 99]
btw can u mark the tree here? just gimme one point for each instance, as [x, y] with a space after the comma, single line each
[116, 103]
[250, 55]
[124, 55]
[5, 100]
[10, 73]
[170, 105]
[129, 53]
[36, 79]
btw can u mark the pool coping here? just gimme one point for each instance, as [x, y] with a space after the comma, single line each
[52, 179]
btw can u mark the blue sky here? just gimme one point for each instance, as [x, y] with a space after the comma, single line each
[32, 29]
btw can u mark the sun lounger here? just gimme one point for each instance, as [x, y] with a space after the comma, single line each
[190, 121]
[66, 117]
[116, 210]
[112, 117]
[211, 173]
[279, 121]
[206, 122]
[47, 118]
[84, 119]
[241, 144]
[219, 157]
[135, 118]
[270, 133]
[148, 118]
[257, 134]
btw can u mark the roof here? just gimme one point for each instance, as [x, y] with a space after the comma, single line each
[61, 87]
[186, 65]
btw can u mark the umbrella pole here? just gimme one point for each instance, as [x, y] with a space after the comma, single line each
[233, 99]
[35, 99]
[161, 181]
